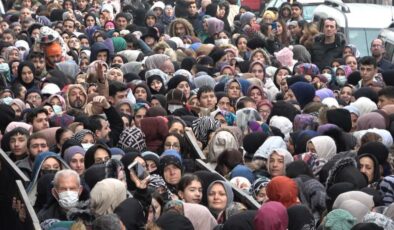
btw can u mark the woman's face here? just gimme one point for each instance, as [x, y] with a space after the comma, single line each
[172, 174]
[90, 21]
[289, 96]
[51, 164]
[276, 165]
[27, 74]
[280, 75]
[139, 115]
[346, 94]
[262, 197]
[340, 72]
[242, 45]
[347, 51]
[150, 21]
[258, 56]
[125, 108]
[156, 85]
[151, 166]
[68, 6]
[172, 142]
[264, 112]
[177, 127]
[234, 90]
[55, 101]
[117, 60]
[88, 139]
[101, 156]
[140, 93]
[279, 28]
[367, 167]
[258, 71]
[77, 163]
[221, 12]
[185, 88]
[224, 103]
[14, 68]
[14, 55]
[352, 62]
[217, 197]
[17, 110]
[256, 95]
[192, 193]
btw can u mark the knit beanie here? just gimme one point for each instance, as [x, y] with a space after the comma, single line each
[341, 118]
[169, 159]
[174, 81]
[132, 137]
[339, 219]
[377, 149]
[148, 155]
[285, 56]
[304, 92]
[252, 141]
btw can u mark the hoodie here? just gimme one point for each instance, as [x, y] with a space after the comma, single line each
[96, 48]
[70, 87]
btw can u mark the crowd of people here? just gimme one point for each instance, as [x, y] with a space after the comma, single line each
[104, 104]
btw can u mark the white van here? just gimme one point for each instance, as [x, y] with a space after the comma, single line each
[387, 35]
[359, 22]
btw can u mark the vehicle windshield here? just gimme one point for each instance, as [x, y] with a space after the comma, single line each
[362, 38]
[308, 12]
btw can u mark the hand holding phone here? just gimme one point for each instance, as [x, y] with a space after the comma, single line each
[273, 26]
[138, 170]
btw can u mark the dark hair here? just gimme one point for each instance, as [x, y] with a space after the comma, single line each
[387, 91]
[36, 55]
[115, 86]
[9, 31]
[18, 130]
[16, 89]
[186, 180]
[204, 89]
[69, 19]
[60, 132]
[182, 144]
[34, 113]
[94, 123]
[368, 60]
[229, 158]
[173, 120]
[35, 136]
[242, 101]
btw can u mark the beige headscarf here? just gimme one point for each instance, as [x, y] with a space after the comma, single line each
[106, 195]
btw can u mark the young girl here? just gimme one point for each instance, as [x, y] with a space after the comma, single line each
[190, 189]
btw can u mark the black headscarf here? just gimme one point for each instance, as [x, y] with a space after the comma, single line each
[240, 221]
[132, 214]
[300, 217]
[172, 220]
[33, 70]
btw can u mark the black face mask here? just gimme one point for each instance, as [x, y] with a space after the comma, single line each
[48, 171]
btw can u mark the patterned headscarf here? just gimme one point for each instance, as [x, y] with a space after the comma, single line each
[203, 126]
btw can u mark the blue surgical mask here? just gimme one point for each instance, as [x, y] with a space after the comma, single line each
[86, 146]
[57, 109]
[341, 80]
[334, 69]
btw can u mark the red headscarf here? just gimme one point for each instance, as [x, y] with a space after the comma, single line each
[284, 190]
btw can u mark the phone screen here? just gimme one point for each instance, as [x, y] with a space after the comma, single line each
[139, 170]
[273, 26]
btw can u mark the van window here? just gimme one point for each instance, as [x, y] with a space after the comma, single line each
[389, 55]
[362, 39]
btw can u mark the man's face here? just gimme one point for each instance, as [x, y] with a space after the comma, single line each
[18, 144]
[77, 98]
[8, 38]
[294, 30]
[121, 23]
[37, 146]
[68, 26]
[39, 63]
[180, 30]
[192, 9]
[35, 99]
[367, 72]
[40, 122]
[377, 48]
[330, 28]
[383, 101]
[295, 12]
[102, 55]
[103, 133]
[119, 96]
[208, 100]
[82, 4]
[66, 183]
[25, 13]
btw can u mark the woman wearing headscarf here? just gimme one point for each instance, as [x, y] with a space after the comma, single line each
[203, 127]
[74, 157]
[271, 216]
[132, 213]
[155, 130]
[278, 159]
[298, 141]
[233, 90]
[283, 190]
[26, 75]
[156, 81]
[371, 120]
[369, 165]
[198, 214]
[300, 217]
[106, 195]
[223, 139]
[221, 201]
[302, 92]
[259, 189]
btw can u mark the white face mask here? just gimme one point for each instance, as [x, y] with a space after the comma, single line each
[68, 199]
[222, 41]
[341, 80]
[172, 108]
[7, 100]
[328, 76]
[57, 109]
[86, 146]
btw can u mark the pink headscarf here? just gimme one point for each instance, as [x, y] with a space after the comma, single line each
[271, 216]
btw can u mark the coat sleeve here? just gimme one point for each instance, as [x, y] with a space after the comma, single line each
[116, 124]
